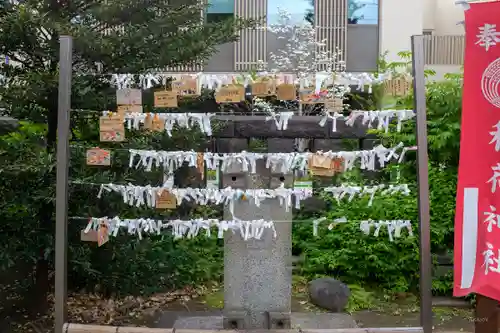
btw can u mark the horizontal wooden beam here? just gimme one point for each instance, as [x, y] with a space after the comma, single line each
[238, 126]
[78, 328]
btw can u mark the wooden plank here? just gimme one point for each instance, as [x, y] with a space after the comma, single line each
[225, 145]
[143, 330]
[486, 320]
[298, 127]
[328, 144]
[78, 328]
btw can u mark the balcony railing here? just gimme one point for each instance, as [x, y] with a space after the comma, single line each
[444, 50]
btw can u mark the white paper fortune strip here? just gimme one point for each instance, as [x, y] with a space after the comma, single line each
[351, 192]
[393, 227]
[278, 162]
[382, 118]
[183, 120]
[182, 228]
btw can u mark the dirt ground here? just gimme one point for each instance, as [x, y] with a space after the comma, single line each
[136, 311]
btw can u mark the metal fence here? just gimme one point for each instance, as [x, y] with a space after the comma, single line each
[444, 50]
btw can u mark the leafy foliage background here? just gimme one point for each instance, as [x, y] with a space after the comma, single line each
[127, 265]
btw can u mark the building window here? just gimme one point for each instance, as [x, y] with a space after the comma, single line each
[300, 11]
[362, 11]
[427, 32]
[219, 10]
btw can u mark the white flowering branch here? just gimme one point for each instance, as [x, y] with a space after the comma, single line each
[303, 56]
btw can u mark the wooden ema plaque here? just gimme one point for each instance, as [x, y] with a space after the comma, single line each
[111, 128]
[102, 234]
[200, 164]
[186, 86]
[154, 123]
[230, 94]
[99, 236]
[334, 105]
[90, 236]
[286, 92]
[129, 97]
[124, 109]
[399, 86]
[308, 96]
[166, 200]
[324, 166]
[165, 99]
[264, 88]
[98, 156]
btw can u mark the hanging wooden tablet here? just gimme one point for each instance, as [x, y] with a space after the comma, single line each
[200, 164]
[124, 109]
[324, 166]
[230, 94]
[111, 128]
[129, 97]
[398, 86]
[157, 124]
[320, 161]
[308, 96]
[98, 156]
[165, 99]
[185, 86]
[264, 87]
[102, 234]
[90, 236]
[286, 92]
[334, 105]
[148, 122]
[166, 200]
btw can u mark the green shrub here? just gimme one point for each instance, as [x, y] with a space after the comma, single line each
[347, 253]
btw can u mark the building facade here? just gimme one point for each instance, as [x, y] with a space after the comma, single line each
[360, 29]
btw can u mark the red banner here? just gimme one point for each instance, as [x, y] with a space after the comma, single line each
[477, 220]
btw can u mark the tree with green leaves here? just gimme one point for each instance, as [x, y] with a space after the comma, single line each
[122, 36]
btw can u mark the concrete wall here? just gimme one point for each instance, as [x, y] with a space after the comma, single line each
[362, 47]
[399, 20]
[446, 17]
[362, 50]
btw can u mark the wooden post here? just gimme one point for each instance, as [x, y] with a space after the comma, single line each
[486, 320]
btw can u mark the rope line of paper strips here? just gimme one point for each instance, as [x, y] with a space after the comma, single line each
[147, 196]
[253, 229]
[278, 162]
[213, 81]
[380, 119]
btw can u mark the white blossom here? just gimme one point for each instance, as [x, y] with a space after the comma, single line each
[303, 54]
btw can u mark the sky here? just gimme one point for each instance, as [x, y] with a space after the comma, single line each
[298, 8]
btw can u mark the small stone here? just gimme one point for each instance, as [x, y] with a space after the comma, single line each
[329, 294]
